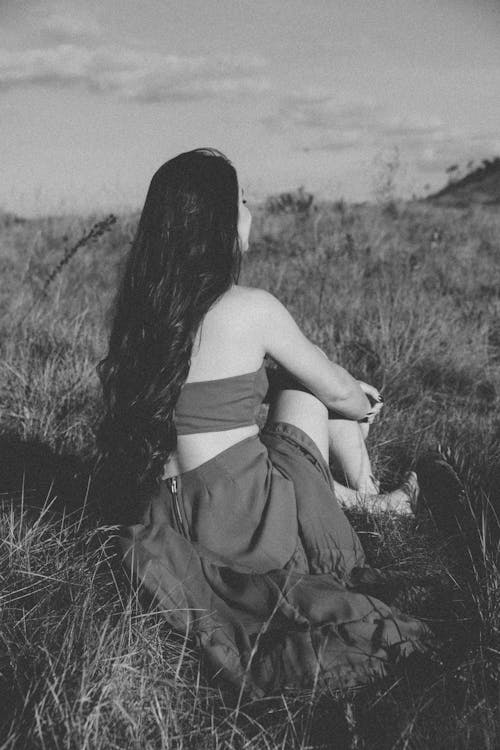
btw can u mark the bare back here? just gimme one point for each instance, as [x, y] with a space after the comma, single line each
[228, 342]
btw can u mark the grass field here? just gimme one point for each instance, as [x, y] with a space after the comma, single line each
[407, 297]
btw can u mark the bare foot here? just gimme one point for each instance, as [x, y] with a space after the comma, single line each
[402, 500]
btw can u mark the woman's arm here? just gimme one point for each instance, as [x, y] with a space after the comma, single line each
[284, 341]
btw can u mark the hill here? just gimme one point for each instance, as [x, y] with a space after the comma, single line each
[8, 219]
[481, 185]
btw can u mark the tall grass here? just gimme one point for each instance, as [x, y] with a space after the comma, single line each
[406, 297]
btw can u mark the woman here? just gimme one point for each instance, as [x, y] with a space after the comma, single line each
[239, 534]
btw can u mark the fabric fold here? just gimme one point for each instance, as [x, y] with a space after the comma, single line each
[267, 619]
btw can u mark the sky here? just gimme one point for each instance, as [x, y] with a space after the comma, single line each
[96, 94]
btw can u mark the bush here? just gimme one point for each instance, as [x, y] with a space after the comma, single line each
[298, 202]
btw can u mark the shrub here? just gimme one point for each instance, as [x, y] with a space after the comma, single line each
[298, 202]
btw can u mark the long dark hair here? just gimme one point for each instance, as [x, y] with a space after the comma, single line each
[184, 256]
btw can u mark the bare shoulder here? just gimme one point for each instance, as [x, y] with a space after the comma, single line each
[243, 294]
[231, 332]
[247, 302]
[238, 316]
[262, 317]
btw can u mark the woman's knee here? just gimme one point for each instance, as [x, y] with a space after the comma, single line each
[288, 393]
[304, 410]
[301, 404]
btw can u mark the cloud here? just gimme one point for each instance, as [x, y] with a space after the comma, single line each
[318, 112]
[200, 88]
[53, 21]
[322, 123]
[57, 26]
[133, 74]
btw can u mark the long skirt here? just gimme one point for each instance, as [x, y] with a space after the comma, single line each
[251, 555]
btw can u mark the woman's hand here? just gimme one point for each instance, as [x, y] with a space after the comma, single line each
[375, 399]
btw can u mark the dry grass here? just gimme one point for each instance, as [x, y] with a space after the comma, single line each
[407, 297]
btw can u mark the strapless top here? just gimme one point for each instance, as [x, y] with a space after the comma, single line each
[222, 404]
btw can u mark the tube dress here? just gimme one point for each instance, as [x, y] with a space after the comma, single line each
[251, 555]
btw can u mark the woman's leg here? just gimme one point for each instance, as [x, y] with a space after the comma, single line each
[303, 410]
[347, 448]
[346, 441]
